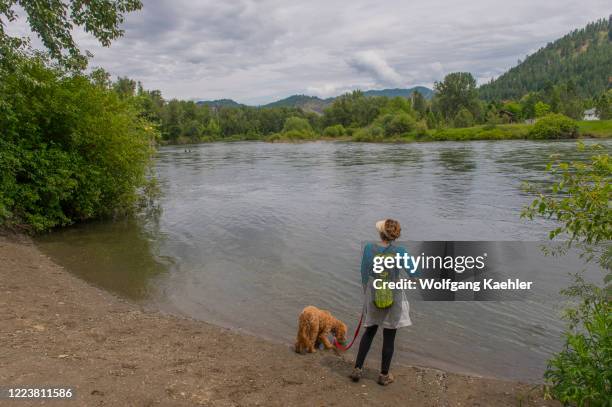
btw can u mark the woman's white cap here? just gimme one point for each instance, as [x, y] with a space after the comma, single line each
[380, 226]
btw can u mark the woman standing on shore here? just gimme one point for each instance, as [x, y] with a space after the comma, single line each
[383, 307]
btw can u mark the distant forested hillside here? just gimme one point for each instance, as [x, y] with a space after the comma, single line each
[308, 103]
[316, 104]
[220, 103]
[405, 93]
[582, 58]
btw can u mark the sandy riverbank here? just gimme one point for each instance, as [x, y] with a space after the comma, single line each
[57, 330]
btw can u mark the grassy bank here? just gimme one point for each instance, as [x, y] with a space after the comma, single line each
[586, 129]
[599, 128]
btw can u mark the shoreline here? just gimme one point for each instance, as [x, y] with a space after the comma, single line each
[390, 140]
[59, 330]
[500, 132]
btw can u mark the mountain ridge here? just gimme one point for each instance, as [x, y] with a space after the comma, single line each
[582, 57]
[317, 104]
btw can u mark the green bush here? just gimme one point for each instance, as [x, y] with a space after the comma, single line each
[420, 129]
[69, 150]
[463, 118]
[297, 124]
[383, 120]
[337, 130]
[369, 134]
[396, 124]
[580, 374]
[541, 109]
[554, 126]
[579, 202]
[489, 126]
[485, 132]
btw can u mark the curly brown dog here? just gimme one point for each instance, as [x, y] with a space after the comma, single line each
[314, 325]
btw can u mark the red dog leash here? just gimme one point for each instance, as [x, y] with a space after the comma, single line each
[345, 348]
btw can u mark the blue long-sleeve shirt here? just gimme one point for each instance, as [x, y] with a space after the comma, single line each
[371, 250]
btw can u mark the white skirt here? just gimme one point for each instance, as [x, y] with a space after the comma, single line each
[396, 316]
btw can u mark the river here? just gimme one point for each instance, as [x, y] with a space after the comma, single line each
[247, 234]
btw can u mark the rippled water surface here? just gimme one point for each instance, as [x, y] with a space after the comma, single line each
[250, 233]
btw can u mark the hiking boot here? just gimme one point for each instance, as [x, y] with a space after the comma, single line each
[385, 379]
[356, 374]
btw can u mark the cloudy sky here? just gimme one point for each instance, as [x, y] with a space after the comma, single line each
[257, 51]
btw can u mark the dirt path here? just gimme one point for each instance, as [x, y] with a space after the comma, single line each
[57, 330]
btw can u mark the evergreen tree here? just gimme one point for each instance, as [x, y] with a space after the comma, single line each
[419, 104]
[583, 57]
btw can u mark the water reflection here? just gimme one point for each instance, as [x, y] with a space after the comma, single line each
[455, 171]
[350, 155]
[117, 256]
[457, 159]
[531, 162]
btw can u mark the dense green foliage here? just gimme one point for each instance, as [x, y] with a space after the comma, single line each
[362, 118]
[353, 110]
[373, 133]
[396, 124]
[581, 374]
[337, 130]
[295, 128]
[455, 93]
[600, 129]
[297, 124]
[583, 57]
[481, 132]
[463, 118]
[604, 105]
[70, 149]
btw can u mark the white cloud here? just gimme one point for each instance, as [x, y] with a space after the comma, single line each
[371, 63]
[326, 90]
